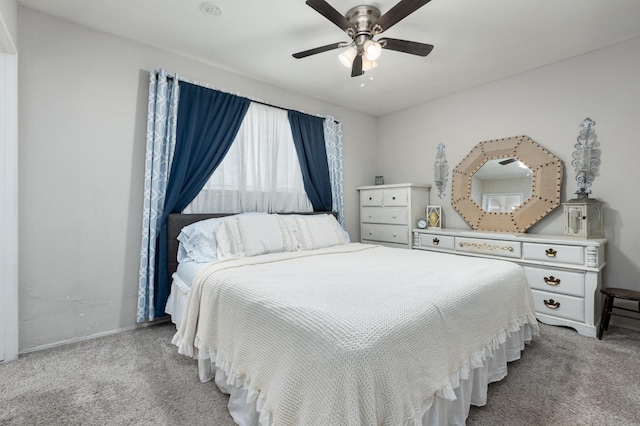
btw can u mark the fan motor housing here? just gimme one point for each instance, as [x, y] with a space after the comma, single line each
[363, 17]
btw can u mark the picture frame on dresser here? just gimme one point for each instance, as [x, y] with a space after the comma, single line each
[434, 217]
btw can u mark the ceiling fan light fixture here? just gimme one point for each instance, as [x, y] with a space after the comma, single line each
[347, 57]
[362, 23]
[368, 65]
[372, 50]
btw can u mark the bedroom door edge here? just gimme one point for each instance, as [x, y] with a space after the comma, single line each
[9, 345]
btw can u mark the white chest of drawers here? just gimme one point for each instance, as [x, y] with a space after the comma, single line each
[564, 272]
[388, 213]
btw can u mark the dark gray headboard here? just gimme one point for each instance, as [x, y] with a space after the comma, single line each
[177, 221]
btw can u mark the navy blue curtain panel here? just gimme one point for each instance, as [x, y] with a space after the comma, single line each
[208, 122]
[308, 137]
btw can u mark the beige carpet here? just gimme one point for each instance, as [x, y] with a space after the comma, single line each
[137, 378]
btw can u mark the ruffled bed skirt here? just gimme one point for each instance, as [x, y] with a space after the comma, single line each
[177, 302]
[449, 406]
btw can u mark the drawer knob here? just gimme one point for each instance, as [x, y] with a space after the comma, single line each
[393, 198]
[551, 252]
[370, 233]
[395, 235]
[370, 215]
[370, 198]
[551, 304]
[551, 280]
[436, 241]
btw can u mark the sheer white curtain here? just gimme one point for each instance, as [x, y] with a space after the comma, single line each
[260, 172]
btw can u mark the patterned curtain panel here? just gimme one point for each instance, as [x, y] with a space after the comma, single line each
[161, 139]
[333, 144]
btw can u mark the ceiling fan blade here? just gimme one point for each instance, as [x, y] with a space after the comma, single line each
[356, 67]
[398, 12]
[319, 50]
[412, 47]
[326, 10]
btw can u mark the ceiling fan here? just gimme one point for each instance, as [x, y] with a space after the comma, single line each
[362, 24]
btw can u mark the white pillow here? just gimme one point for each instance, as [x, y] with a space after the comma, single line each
[318, 231]
[198, 241]
[265, 234]
[254, 235]
[228, 239]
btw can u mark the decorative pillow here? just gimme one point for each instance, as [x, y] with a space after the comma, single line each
[318, 231]
[254, 235]
[228, 239]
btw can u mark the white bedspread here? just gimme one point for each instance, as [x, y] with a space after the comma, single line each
[351, 335]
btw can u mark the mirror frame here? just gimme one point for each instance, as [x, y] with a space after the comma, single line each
[546, 183]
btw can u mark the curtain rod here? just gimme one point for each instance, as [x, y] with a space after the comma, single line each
[170, 77]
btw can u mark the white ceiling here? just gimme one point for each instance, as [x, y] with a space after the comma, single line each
[476, 41]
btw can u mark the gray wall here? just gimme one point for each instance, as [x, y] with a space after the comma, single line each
[546, 104]
[82, 108]
[8, 26]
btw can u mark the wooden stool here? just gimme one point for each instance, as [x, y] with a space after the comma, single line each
[607, 305]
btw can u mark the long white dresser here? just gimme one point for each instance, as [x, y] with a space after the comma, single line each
[564, 272]
[388, 213]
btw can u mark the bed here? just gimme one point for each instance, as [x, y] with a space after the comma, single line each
[326, 331]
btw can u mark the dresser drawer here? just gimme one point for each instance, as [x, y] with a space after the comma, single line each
[444, 242]
[389, 233]
[395, 197]
[386, 244]
[371, 198]
[390, 215]
[555, 280]
[559, 305]
[491, 247]
[553, 253]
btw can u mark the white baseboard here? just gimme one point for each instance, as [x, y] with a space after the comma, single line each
[94, 336]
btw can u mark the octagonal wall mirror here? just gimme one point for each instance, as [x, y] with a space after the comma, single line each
[500, 186]
[506, 185]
